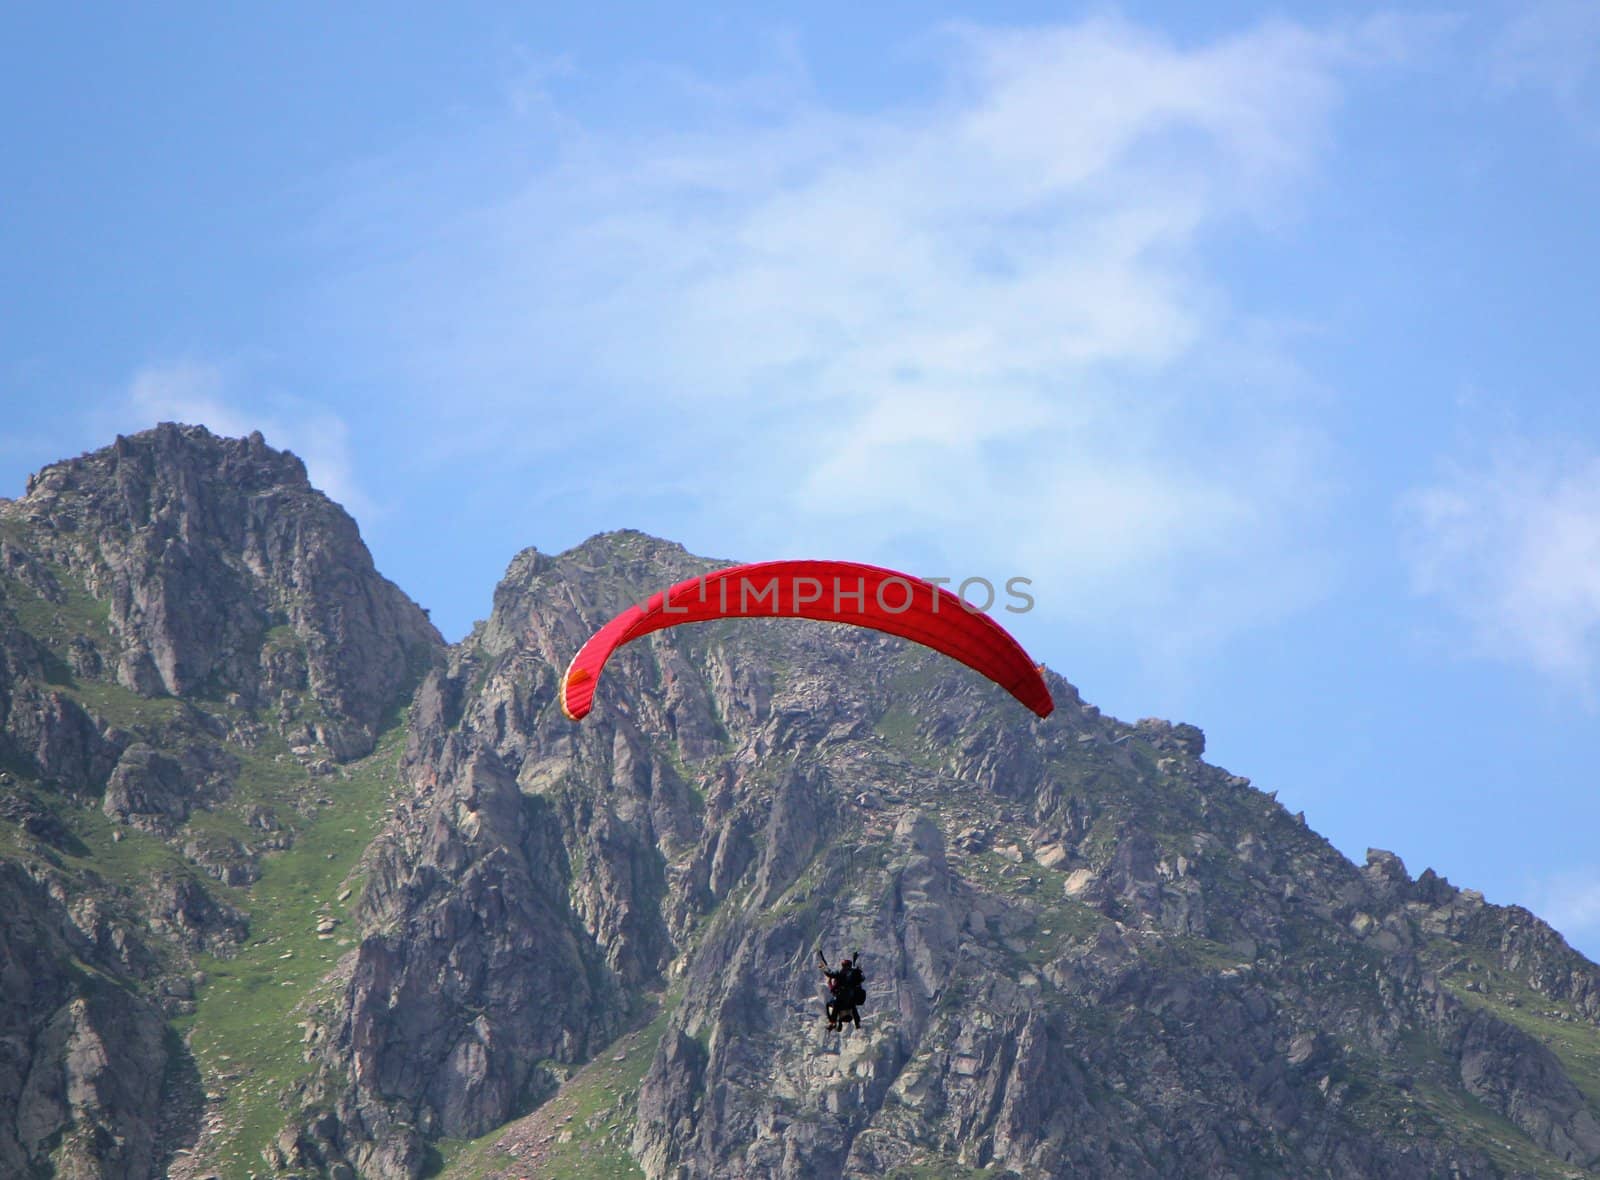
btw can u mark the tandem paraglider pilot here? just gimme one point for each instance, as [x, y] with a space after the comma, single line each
[847, 991]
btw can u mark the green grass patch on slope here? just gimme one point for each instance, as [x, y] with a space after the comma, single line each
[1208, 954]
[129, 861]
[1504, 1142]
[121, 856]
[270, 778]
[1057, 917]
[943, 1170]
[1433, 1106]
[55, 623]
[245, 1033]
[121, 706]
[903, 730]
[1574, 1041]
[583, 1132]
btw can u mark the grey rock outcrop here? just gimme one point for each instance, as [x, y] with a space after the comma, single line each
[156, 791]
[82, 1059]
[221, 570]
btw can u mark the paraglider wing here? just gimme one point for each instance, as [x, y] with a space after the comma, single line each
[829, 591]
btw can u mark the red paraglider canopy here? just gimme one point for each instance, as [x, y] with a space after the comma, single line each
[829, 591]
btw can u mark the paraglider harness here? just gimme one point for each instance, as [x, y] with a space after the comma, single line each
[847, 991]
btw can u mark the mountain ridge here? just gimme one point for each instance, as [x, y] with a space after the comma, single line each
[1089, 951]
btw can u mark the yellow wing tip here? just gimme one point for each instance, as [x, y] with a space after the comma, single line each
[572, 676]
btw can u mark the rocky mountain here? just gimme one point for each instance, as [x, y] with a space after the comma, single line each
[194, 646]
[482, 940]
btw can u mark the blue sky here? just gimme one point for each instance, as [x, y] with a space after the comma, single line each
[1260, 338]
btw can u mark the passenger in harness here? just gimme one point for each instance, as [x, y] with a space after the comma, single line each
[847, 991]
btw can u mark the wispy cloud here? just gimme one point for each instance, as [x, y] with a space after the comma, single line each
[1553, 47]
[1570, 902]
[199, 394]
[983, 325]
[1508, 540]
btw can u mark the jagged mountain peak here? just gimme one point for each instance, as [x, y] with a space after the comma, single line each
[605, 550]
[167, 452]
[220, 569]
[626, 543]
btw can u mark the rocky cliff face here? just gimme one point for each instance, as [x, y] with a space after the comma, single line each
[192, 640]
[82, 1054]
[220, 572]
[589, 948]
[1089, 951]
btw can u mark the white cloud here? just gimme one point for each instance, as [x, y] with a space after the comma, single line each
[1570, 902]
[197, 394]
[984, 322]
[1508, 540]
[1552, 46]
